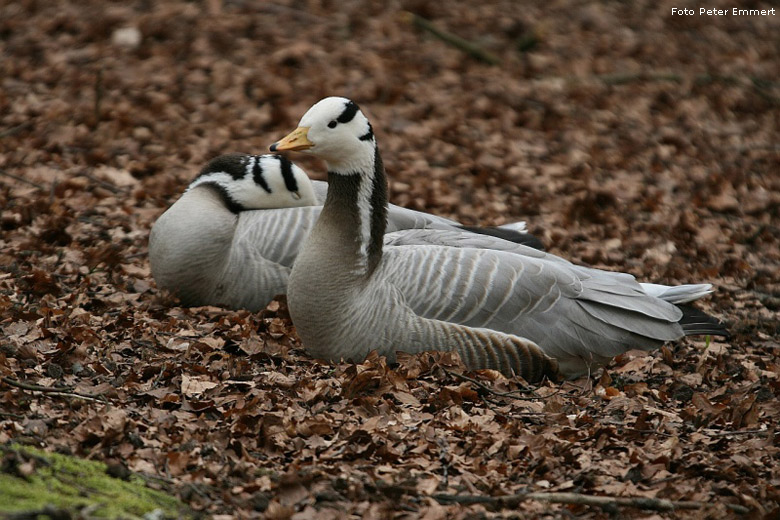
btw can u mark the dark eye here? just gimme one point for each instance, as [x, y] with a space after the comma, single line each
[332, 124]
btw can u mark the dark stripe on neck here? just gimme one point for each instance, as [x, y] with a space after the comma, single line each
[368, 135]
[234, 164]
[287, 174]
[257, 174]
[341, 212]
[229, 202]
[378, 212]
[349, 112]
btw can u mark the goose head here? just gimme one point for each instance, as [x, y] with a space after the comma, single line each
[249, 182]
[335, 130]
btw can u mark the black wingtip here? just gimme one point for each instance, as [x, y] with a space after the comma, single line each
[525, 239]
[696, 322]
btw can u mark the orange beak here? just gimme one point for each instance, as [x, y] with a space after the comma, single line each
[295, 141]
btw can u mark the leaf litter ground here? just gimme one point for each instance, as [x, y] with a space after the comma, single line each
[628, 138]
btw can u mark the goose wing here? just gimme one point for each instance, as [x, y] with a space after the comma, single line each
[273, 234]
[572, 312]
[260, 257]
[463, 239]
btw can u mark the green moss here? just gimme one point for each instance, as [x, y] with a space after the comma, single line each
[72, 483]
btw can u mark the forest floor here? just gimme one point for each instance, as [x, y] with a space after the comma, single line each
[627, 137]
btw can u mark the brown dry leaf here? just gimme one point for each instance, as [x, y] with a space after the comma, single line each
[194, 386]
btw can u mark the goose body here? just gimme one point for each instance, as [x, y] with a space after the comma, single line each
[507, 307]
[232, 237]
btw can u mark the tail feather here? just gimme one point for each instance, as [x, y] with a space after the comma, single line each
[695, 322]
[518, 226]
[679, 293]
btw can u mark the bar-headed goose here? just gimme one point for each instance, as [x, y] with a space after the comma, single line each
[517, 310]
[232, 237]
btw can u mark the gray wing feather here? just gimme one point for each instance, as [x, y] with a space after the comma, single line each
[275, 234]
[570, 311]
[399, 218]
[264, 247]
[320, 191]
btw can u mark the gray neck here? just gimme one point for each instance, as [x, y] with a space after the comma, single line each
[356, 205]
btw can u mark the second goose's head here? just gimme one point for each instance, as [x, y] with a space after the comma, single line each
[248, 182]
[334, 129]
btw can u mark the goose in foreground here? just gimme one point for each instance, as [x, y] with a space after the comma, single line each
[517, 310]
[232, 237]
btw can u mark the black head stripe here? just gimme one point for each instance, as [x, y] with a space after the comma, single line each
[257, 174]
[349, 112]
[368, 135]
[230, 203]
[233, 164]
[287, 173]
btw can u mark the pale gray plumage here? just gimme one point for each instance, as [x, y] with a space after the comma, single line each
[232, 238]
[507, 307]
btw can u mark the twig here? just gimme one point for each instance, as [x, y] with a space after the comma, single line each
[757, 148]
[441, 442]
[511, 394]
[98, 94]
[47, 511]
[272, 8]
[470, 48]
[148, 477]
[15, 129]
[648, 432]
[743, 432]
[623, 78]
[140, 254]
[761, 86]
[511, 501]
[34, 387]
[105, 184]
[11, 415]
[63, 391]
[22, 179]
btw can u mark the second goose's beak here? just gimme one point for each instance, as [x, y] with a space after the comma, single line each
[295, 141]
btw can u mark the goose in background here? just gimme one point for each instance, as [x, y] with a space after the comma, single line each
[231, 238]
[517, 310]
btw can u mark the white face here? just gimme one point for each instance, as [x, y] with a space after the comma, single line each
[339, 132]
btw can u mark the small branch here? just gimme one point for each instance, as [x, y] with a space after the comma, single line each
[743, 432]
[622, 78]
[15, 129]
[761, 86]
[63, 391]
[105, 184]
[757, 148]
[98, 94]
[512, 501]
[272, 8]
[512, 394]
[33, 387]
[21, 179]
[48, 511]
[470, 48]
[444, 459]
[11, 415]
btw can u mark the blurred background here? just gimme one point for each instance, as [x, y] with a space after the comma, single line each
[585, 118]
